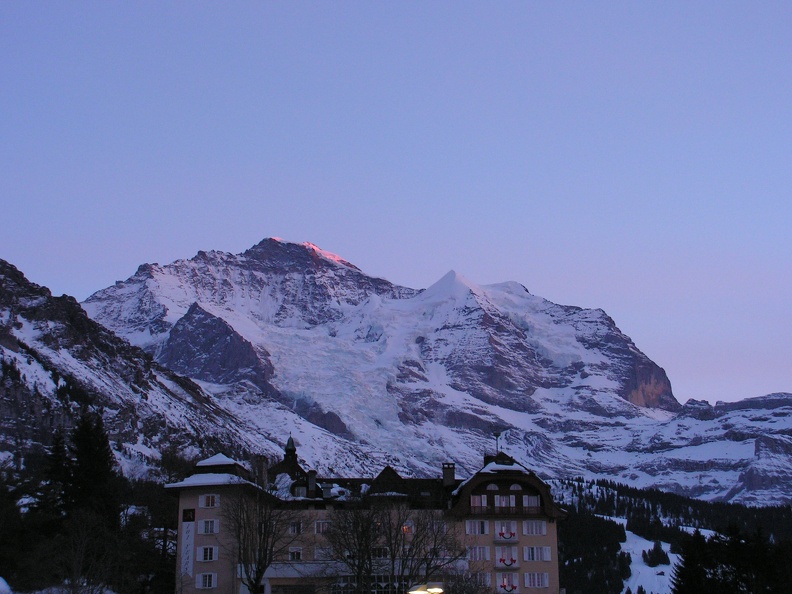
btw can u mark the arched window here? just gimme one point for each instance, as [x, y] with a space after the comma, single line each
[492, 487]
[515, 487]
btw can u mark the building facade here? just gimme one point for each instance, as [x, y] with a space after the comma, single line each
[495, 531]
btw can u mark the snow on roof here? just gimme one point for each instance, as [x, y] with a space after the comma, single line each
[495, 467]
[492, 468]
[217, 460]
[207, 479]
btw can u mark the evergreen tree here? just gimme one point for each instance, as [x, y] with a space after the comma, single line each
[93, 485]
[691, 573]
[56, 476]
[656, 555]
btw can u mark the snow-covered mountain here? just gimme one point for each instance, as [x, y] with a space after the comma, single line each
[286, 338]
[54, 361]
[291, 339]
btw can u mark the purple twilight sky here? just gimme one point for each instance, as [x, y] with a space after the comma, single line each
[631, 156]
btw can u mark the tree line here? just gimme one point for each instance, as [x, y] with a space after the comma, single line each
[72, 522]
[749, 551]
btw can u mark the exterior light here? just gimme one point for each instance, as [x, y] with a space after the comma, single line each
[428, 588]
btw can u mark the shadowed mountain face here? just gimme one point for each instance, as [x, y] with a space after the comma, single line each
[287, 338]
[205, 347]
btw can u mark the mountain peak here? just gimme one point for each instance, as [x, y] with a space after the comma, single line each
[288, 253]
[328, 255]
[452, 285]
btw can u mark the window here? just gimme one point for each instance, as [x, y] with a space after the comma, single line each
[300, 491]
[537, 580]
[515, 487]
[204, 581]
[536, 553]
[492, 487]
[505, 501]
[210, 527]
[482, 579]
[531, 501]
[209, 501]
[379, 553]
[505, 556]
[476, 527]
[506, 529]
[534, 527]
[478, 553]
[295, 554]
[322, 554]
[408, 527]
[321, 526]
[207, 554]
[507, 582]
[439, 527]
[295, 527]
[478, 501]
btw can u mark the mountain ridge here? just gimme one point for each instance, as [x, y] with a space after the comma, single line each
[287, 338]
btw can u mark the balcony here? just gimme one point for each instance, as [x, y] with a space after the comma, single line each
[507, 563]
[505, 536]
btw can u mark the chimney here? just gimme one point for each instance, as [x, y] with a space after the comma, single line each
[449, 474]
[260, 467]
[312, 483]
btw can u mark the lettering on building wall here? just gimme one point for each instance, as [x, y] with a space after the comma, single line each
[188, 542]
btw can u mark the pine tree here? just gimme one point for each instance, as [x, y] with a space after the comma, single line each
[57, 475]
[94, 485]
[690, 574]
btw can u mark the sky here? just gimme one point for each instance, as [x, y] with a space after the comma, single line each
[629, 156]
